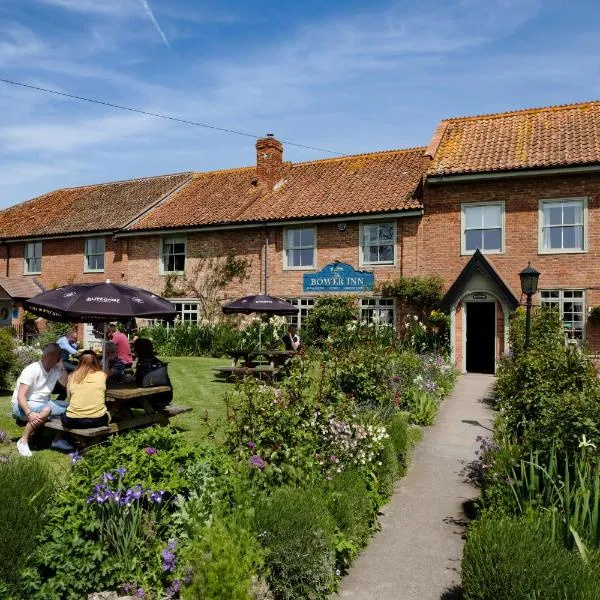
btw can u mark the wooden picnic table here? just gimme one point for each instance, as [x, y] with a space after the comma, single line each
[119, 399]
[274, 357]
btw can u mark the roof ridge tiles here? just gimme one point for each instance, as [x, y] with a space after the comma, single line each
[413, 150]
[523, 111]
[118, 181]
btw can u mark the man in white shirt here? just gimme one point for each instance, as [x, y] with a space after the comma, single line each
[31, 401]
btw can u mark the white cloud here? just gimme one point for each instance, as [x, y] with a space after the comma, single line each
[114, 8]
[72, 135]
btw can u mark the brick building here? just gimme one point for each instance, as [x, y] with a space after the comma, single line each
[518, 187]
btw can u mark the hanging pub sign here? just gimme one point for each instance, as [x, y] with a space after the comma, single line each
[339, 277]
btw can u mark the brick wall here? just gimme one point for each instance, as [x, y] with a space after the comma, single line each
[440, 233]
[62, 262]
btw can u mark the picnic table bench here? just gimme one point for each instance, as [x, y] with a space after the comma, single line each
[266, 371]
[118, 401]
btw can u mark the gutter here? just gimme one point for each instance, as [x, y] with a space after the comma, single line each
[440, 179]
[266, 224]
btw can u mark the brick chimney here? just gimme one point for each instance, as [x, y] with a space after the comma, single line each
[269, 160]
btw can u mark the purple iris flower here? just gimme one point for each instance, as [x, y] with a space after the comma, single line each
[150, 451]
[168, 559]
[121, 471]
[140, 593]
[108, 477]
[173, 589]
[251, 445]
[75, 457]
[256, 462]
[157, 497]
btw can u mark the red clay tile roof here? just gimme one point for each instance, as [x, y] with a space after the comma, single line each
[360, 184]
[555, 136]
[22, 288]
[102, 207]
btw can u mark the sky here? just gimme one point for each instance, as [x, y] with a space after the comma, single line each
[340, 75]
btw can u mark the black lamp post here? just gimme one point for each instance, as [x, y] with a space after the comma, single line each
[529, 285]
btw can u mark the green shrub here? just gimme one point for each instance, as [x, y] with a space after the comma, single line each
[387, 469]
[225, 558]
[7, 358]
[515, 559]
[330, 315]
[548, 395]
[74, 554]
[353, 508]
[422, 407]
[299, 533]
[402, 437]
[26, 491]
[53, 331]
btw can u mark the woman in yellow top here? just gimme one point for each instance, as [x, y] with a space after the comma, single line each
[85, 393]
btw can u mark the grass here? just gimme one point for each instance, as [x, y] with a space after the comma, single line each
[194, 385]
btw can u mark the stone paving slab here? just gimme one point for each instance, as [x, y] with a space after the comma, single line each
[417, 553]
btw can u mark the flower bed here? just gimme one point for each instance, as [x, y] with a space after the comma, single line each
[538, 535]
[280, 510]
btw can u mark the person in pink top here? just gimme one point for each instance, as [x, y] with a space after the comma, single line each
[121, 341]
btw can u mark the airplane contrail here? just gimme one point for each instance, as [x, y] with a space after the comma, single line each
[150, 14]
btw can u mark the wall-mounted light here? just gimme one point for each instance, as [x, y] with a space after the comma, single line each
[341, 226]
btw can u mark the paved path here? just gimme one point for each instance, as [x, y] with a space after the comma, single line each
[417, 553]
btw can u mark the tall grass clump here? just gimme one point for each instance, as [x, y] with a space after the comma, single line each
[26, 490]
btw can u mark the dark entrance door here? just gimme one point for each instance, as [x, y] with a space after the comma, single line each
[481, 337]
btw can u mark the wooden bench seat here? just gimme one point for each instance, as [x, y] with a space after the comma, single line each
[96, 433]
[267, 371]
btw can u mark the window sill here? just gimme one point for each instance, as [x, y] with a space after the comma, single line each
[377, 265]
[557, 251]
[484, 252]
[93, 270]
[308, 268]
[32, 273]
[164, 273]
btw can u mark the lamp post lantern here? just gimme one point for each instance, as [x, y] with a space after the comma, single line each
[529, 285]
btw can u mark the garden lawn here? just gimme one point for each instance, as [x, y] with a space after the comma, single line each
[194, 385]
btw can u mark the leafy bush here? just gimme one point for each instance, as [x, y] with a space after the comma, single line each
[515, 559]
[53, 331]
[7, 358]
[76, 549]
[27, 488]
[24, 356]
[422, 293]
[330, 315]
[353, 507]
[225, 558]
[299, 533]
[387, 469]
[421, 406]
[548, 395]
[403, 437]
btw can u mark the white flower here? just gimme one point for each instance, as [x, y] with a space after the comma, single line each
[584, 443]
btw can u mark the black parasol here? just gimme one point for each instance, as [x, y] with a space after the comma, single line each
[260, 304]
[89, 302]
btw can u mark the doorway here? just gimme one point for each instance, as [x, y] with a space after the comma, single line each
[481, 337]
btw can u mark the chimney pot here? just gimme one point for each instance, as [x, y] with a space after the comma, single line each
[269, 160]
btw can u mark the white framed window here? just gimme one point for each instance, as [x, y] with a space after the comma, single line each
[378, 243]
[172, 255]
[93, 255]
[300, 246]
[562, 225]
[187, 311]
[305, 305]
[571, 305]
[32, 258]
[482, 228]
[381, 311]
